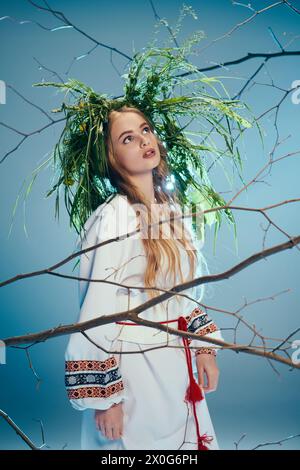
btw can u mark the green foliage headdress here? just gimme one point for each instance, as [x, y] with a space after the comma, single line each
[158, 83]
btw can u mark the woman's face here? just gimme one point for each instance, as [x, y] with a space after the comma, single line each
[131, 137]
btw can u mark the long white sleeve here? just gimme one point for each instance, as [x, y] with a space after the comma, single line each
[93, 378]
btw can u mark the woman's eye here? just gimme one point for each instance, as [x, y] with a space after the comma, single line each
[146, 127]
[126, 138]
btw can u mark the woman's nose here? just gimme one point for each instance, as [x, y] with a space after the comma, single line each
[145, 140]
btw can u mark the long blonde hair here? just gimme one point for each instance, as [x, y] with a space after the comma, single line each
[154, 247]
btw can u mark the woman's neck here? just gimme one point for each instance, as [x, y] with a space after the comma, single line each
[145, 185]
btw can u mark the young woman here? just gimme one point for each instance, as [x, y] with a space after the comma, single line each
[129, 380]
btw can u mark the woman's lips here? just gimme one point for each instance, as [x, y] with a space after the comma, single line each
[150, 155]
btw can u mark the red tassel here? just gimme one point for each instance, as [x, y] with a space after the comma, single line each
[202, 439]
[194, 392]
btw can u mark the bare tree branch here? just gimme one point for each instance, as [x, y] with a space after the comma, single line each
[133, 313]
[251, 55]
[275, 442]
[19, 431]
[242, 23]
[38, 131]
[62, 17]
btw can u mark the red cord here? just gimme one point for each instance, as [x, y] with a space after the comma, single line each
[194, 392]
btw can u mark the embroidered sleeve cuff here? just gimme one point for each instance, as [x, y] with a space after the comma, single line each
[205, 351]
[94, 384]
[198, 322]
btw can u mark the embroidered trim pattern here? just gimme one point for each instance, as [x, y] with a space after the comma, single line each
[91, 365]
[200, 323]
[198, 319]
[204, 350]
[196, 312]
[93, 379]
[208, 329]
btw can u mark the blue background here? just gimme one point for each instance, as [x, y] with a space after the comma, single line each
[252, 398]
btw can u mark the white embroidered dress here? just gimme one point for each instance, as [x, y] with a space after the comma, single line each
[152, 384]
